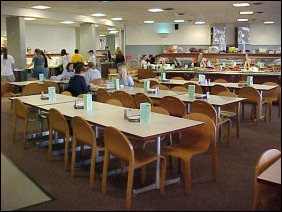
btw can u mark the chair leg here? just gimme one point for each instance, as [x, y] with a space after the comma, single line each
[73, 155]
[129, 187]
[67, 141]
[50, 143]
[15, 129]
[256, 199]
[187, 176]
[92, 169]
[238, 122]
[143, 175]
[105, 171]
[163, 175]
[229, 132]
[258, 109]
[25, 132]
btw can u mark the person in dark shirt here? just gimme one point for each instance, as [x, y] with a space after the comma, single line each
[119, 59]
[152, 59]
[109, 56]
[77, 84]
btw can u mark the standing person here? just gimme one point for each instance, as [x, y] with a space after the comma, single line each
[77, 58]
[125, 78]
[46, 69]
[38, 62]
[7, 66]
[118, 49]
[92, 73]
[143, 61]
[65, 59]
[92, 57]
[119, 59]
[109, 56]
[152, 59]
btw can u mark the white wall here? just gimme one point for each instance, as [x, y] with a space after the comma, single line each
[50, 38]
[146, 34]
[265, 34]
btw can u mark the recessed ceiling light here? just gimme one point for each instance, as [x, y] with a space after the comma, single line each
[40, 7]
[241, 4]
[200, 22]
[242, 19]
[247, 13]
[67, 22]
[116, 19]
[149, 22]
[102, 35]
[155, 10]
[178, 21]
[98, 15]
[269, 22]
[111, 29]
[113, 32]
[29, 19]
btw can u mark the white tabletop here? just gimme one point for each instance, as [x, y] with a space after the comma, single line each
[35, 100]
[110, 115]
[272, 174]
[24, 83]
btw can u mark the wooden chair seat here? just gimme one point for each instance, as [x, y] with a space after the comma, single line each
[228, 114]
[143, 157]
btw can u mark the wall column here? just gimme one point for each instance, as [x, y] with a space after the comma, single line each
[87, 38]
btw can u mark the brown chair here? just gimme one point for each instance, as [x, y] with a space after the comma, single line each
[177, 78]
[83, 134]
[173, 105]
[203, 107]
[161, 87]
[153, 83]
[103, 95]
[194, 79]
[118, 145]
[274, 95]
[160, 110]
[179, 88]
[58, 123]
[48, 84]
[140, 98]
[253, 97]
[198, 88]
[137, 81]
[114, 102]
[138, 85]
[216, 89]
[145, 74]
[97, 81]
[221, 81]
[32, 79]
[66, 93]
[193, 142]
[264, 195]
[20, 112]
[125, 98]
[7, 90]
[32, 89]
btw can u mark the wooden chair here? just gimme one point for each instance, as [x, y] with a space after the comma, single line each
[264, 192]
[118, 145]
[138, 85]
[161, 87]
[253, 97]
[97, 81]
[274, 95]
[221, 81]
[114, 102]
[48, 84]
[173, 105]
[194, 79]
[179, 88]
[145, 74]
[216, 89]
[153, 83]
[140, 98]
[66, 93]
[32, 89]
[20, 112]
[160, 110]
[137, 81]
[32, 79]
[203, 107]
[83, 134]
[80, 96]
[103, 95]
[177, 78]
[193, 142]
[58, 123]
[125, 98]
[198, 88]
[7, 90]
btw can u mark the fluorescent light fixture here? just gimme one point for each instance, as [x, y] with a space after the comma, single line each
[111, 29]
[67, 22]
[155, 10]
[116, 19]
[98, 15]
[149, 22]
[40, 7]
[178, 21]
[241, 4]
[247, 13]
[269, 22]
[113, 32]
[29, 19]
[102, 35]
[242, 19]
[200, 22]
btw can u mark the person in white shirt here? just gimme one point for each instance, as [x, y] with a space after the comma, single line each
[124, 76]
[65, 59]
[92, 58]
[92, 73]
[7, 66]
[144, 62]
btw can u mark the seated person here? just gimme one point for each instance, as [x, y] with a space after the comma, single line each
[77, 84]
[125, 78]
[68, 72]
[92, 73]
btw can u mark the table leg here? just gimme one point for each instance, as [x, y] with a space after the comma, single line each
[188, 107]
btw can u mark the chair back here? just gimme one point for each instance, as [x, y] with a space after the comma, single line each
[140, 98]
[125, 98]
[194, 79]
[48, 84]
[103, 95]
[251, 94]
[32, 89]
[83, 132]
[20, 109]
[66, 93]
[136, 81]
[198, 88]
[229, 107]
[203, 107]
[160, 110]
[179, 88]
[221, 81]
[273, 93]
[146, 73]
[154, 83]
[97, 81]
[138, 85]
[32, 79]
[177, 78]
[216, 89]
[114, 102]
[6, 88]
[161, 87]
[118, 144]
[173, 105]
[58, 121]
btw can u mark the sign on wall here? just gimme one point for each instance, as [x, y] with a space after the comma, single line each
[244, 35]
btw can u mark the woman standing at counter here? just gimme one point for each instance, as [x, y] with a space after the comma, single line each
[65, 59]
[7, 66]
[119, 59]
[38, 61]
[46, 69]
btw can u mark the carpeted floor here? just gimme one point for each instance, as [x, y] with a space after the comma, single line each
[233, 190]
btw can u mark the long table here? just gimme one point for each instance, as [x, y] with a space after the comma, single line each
[272, 175]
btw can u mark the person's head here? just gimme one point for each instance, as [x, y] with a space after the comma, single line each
[106, 47]
[80, 69]
[118, 48]
[91, 65]
[76, 51]
[119, 53]
[69, 66]
[28, 50]
[122, 71]
[37, 51]
[91, 52]
[150, 56]
[5, 53]
[63, 52]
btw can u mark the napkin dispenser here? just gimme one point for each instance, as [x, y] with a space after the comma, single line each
[132, 115]
[78, 104]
